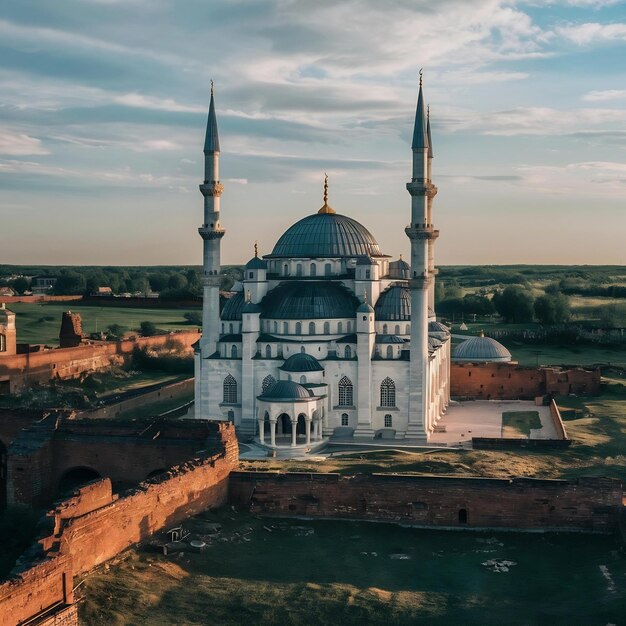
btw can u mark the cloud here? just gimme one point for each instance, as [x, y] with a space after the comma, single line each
[584, 34]
[140, 101]
[19, 144]
[603, 96]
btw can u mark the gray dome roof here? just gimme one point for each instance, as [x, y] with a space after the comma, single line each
[309, 300]
[251, 307]
[437, 327]
[389, 339]
[394, 304]
[326, 235]
[365, 260]
[255, 263]
[399, 269]
[365, 307]
[232, 308]
[286, 390]
[481, 349]
[301, 362]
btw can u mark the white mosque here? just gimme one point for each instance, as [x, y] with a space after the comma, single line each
[326, 336]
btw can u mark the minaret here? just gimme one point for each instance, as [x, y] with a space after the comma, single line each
[432, 271]
[212, 233]
[420, 232]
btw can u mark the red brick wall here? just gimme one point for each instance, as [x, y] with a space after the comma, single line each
[592, 504]
[44, 365]
[509, 381]
[94, 525]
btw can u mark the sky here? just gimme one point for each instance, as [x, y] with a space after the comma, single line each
[103, 108]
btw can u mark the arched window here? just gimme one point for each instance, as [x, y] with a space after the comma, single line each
[348, 352]
[268, 381]
[275, 327]
[286, 269]
[230, 329]
[233, 352]
[313, 269]
[349, 327]
[345, 392]
[230, 390]
[298, 328]
[408, 329]
[385, 329]
[303, 379]
[327, 328]
[311, 328]
[345, 419]
[340, 327]
[328, 269]
[390, 352]
[298, 269]
[387, 392]
[388, 421]
[286, 328]
[302, 349]
[397, 331]
[231, 416]
[268, 351]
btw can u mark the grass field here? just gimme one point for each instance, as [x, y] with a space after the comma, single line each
[517, 423]
[40, 323]
[332, 572]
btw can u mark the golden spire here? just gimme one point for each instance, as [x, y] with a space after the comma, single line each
[256, 249]
[482, 333]
[401, 256]
[421, 72]
[211, 86]
[365, 296]
[248, 297]
[326, 208]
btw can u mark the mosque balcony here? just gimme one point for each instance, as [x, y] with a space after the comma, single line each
[208, 233]
[211, 188]
[421, 231]
[421, 187]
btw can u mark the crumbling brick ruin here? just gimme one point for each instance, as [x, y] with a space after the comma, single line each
[71, 333]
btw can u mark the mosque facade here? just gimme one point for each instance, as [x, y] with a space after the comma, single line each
[326, 336]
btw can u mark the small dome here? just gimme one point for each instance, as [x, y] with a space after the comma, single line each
[326, 235]
[389, 339]
[255, 263]
[251, 307]
[365, 307]
[301, 362]
[438, 327]
[309, 301]
[433, 343]
[394, 304]
[481, 349]
[232, 308]
[286, 390]
[399, 269]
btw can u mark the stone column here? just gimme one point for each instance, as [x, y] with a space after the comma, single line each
[308, 430]
[294, 426]
[262, 430]
[273, 432]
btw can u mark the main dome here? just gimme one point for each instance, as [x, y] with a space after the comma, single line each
[326, 235]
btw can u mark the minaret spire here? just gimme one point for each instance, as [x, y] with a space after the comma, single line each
[211, 139]
[420, 136]
[430, 141]
[326, 208]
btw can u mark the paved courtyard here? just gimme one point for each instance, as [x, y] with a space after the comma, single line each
[483, 418]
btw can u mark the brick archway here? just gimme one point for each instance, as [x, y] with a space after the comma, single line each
[76, 477]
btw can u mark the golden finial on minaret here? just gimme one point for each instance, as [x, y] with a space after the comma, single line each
[256, 249]
[248, 297]
[326, 208]
[401, 257]
[211, 86]
[421, 72]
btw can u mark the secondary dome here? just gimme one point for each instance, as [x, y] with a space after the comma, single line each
[233, 307]
[326, 235]
[481, 349]
[309, 301]
[394, 304]
[286, 390]
[301, 362]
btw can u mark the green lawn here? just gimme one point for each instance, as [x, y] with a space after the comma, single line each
[40, 323]
[516, 423]
[332, 572]
[548, 354]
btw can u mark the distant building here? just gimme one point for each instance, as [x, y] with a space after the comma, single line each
[8, 332]
[41, 285]
[6, 291]
[103, 291]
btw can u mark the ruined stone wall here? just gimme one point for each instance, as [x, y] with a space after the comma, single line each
[24, 370]
[509, 381]
[94, 525]
[588, 504]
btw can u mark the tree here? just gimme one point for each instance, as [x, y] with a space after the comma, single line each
[70, 283]
[148, 328]
[194, 317]
[176, 281]
[158, 281]
[115, 331]
[552, 309]
[20, 285]
[514, 304]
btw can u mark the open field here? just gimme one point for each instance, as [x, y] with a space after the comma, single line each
[554, 354]
[598, 449]
[40, 323]
[519, 423]
[333, 572]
